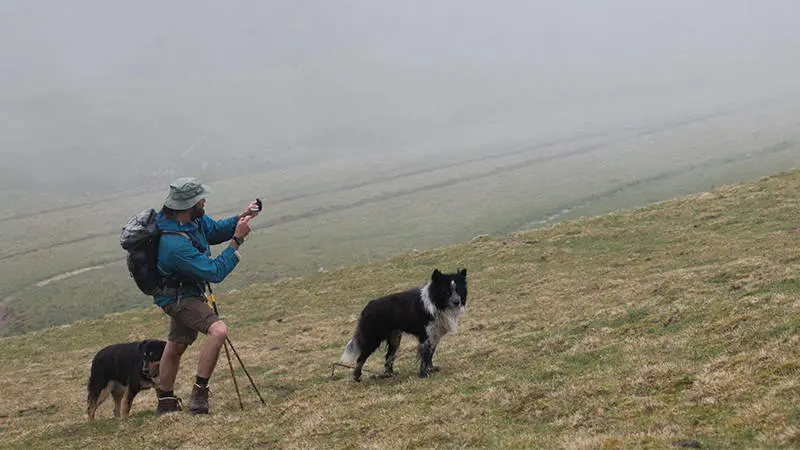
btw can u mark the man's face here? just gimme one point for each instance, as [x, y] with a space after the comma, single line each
[198, 210]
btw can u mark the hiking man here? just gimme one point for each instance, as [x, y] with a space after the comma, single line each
[184, 260]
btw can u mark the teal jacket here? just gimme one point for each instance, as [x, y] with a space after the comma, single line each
[179, 257]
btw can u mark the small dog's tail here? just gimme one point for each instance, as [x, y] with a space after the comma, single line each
[352, 351]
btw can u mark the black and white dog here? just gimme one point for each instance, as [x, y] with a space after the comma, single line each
[122, 370]
[428, 313]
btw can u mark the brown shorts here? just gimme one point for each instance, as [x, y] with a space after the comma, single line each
[189, 315]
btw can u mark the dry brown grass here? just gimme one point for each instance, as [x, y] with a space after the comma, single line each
[639, 329]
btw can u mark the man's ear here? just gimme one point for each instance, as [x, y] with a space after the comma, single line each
[436, 275]
[463, 273]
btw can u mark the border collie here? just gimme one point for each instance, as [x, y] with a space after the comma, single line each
[428, 313]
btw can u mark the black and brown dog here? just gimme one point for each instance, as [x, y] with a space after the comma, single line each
[122, 370]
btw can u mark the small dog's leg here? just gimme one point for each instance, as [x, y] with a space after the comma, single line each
[393, 343]
[100, 399]
[91, 408]
[117, 392]
[124, 407]
[94, 401]
[130, 393]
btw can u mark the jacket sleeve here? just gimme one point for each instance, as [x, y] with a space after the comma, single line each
[187, 260]
[219, 231]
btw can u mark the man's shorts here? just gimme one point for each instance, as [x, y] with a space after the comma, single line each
[189, 315]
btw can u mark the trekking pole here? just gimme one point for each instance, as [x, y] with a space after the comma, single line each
[228, 340]
[233, 375]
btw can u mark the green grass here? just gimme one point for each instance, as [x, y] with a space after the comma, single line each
[640, 329]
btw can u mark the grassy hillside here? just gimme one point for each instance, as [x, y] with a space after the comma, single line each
[673, 323]
[345, 212]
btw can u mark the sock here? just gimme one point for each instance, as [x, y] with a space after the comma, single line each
[201, 381]
[162, 394]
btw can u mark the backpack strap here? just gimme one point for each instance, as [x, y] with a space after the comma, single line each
[195, 244]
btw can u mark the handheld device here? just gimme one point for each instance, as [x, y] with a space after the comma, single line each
[257, 208]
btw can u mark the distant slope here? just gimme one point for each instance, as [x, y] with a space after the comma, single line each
[673, 323]
[344, 211]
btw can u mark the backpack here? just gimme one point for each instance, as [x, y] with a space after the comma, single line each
[140, 237]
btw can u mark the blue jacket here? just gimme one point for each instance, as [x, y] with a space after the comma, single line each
[178, 256]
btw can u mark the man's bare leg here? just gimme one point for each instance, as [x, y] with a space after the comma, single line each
[168, 370]
[209, 353]
[170, 362]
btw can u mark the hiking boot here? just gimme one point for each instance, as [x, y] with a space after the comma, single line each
[198, 402]
[168, 405]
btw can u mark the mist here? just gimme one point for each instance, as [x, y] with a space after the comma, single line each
[103, 96]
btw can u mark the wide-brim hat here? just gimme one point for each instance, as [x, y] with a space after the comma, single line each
[184, 193]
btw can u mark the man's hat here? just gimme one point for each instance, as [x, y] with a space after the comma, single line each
[184, 193]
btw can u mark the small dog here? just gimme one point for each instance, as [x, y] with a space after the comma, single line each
[122, 370]
[428, 313]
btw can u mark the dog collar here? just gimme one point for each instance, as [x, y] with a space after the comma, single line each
[146, 369]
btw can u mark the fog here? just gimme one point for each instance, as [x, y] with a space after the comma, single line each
[103, 96]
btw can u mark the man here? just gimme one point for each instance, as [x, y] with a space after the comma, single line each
[184, 259]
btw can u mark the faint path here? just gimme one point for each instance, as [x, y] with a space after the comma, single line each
[65, 275]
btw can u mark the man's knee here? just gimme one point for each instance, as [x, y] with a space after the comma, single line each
[218, 329]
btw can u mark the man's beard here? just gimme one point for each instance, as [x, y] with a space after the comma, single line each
[197, 212]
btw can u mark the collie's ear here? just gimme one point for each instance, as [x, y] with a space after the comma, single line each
[436, 275]
[463, 273]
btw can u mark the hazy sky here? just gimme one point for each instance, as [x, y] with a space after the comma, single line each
[85, 83]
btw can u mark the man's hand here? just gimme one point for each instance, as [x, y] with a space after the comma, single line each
[242, 227]
[251, 211]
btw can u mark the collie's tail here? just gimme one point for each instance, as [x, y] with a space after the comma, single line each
[351, 352]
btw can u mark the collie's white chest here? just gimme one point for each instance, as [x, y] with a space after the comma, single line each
[443, 323]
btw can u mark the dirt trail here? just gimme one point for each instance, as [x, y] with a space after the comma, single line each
[66, 275]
